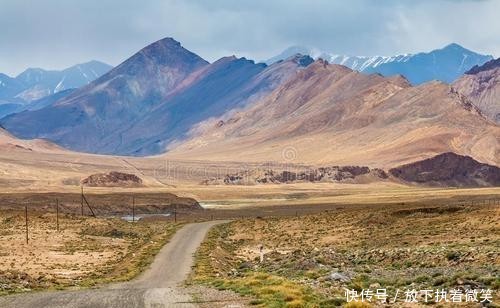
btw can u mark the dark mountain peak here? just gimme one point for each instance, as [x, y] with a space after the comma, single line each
[289, 52]
[300, 59]
[163, 46]
[495, 63]
[168, 52]
[167, 42]
[226, 59]
[235, 62]
[162, 54]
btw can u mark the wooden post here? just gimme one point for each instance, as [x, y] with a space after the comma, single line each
[133, 209]
[57, 214]
[82, 200]
[175, 214]
[26, 219]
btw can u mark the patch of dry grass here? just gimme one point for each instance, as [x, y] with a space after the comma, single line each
[86, 251]
[394, 247]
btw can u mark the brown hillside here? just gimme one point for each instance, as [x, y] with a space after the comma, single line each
[11, 143]
[449, 169]
[329, 114]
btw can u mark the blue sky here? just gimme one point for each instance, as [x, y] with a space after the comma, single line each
[54, 34]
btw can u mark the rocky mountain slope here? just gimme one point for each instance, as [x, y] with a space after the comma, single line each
[225, 86]
[481, 85]
[151, 100]
[449, 169]
[445, 64]
[329, 113]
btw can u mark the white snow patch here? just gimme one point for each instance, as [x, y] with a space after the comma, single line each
[60, 85]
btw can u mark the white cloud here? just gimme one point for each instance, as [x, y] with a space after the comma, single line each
[57, 34]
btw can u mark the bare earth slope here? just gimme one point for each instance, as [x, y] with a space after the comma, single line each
[331, 114]
[482, 86]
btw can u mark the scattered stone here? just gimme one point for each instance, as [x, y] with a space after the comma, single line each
[112, 179]
[336, 276]
[323, 174]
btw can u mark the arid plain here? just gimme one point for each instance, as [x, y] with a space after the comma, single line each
[92, 251]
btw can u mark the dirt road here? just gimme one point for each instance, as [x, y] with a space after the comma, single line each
[158, 287]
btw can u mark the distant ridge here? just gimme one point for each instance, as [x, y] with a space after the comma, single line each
[445, 64]
[492, 64]
[34, 84]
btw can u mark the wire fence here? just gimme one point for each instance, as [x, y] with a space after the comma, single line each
[137, 211]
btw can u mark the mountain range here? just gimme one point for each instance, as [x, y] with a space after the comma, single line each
[34, 84]
[301, 110]
[330, 114]
[445, 64]
[163, 84]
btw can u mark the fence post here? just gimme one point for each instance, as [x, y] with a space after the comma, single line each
[57, 214]
[26, 219]
[133, 209]
[82, 199]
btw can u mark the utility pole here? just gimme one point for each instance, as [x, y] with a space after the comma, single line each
[26, 219]
[82, 199]
[133, 209]
[57, 214]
